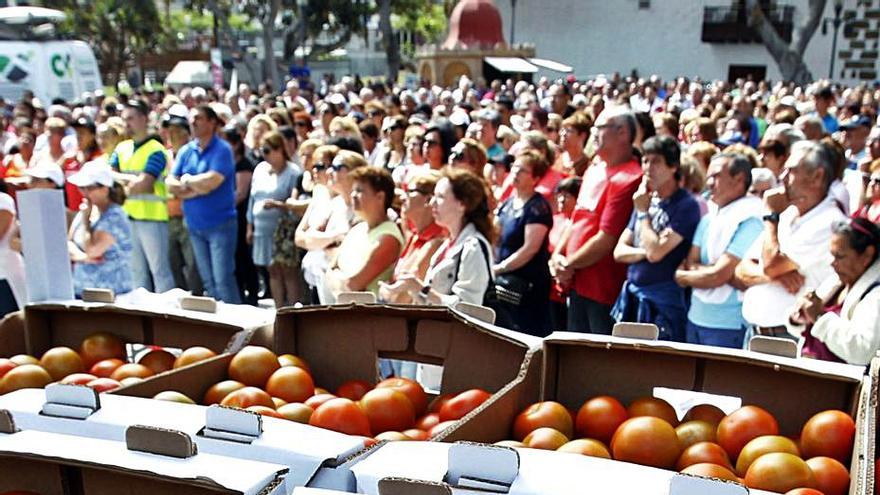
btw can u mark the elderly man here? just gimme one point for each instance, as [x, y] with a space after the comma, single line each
[584, 255]
[722, 238]
[792, 255]
[776, 145]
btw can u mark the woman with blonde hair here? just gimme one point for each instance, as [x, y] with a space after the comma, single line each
[257, 127]
[322, 238]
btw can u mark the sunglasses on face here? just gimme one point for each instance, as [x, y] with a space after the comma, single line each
[266, 150]
[320, 167]
[874, 181]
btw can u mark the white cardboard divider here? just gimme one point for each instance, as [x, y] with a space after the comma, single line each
[199, 303]
[489, 468]
[98, 295]
[482, 313]
[70, 401]
[44, 239]
[226, 423]
[631, 330]
[356, 298]
[683, 484]
[776, 346]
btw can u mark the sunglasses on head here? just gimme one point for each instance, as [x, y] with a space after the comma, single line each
[338, 167]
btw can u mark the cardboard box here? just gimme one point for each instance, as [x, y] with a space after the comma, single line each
[343, 343]
[303, 449]
[580, 366]
[67, 323]
[427, 468]
[60, 464]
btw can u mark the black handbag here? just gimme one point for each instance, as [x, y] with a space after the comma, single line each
[511, 288]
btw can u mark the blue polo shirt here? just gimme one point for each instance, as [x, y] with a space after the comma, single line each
[218, 206]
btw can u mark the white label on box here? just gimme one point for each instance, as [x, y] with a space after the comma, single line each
[73, 395]
[684, 400]
[44, 245]
[225, 419]
[474, 465]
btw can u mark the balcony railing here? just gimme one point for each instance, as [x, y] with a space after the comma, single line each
[730, 24]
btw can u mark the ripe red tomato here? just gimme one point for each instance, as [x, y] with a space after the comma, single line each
[463, 403]
[779, 472]
[318, 399]
[78, 379]
[297, 412]
[704, 412]
[646, 440]
[24, 376]
[342, 415]
[105, 367]
[247, 397]
[587, 447]
[102, 385]
[545, 439]
[711, 471]
[741, 426]
[703, 452]
[543, 414]
[131, 369]
[804, 491]
[158, 361]
[220, 390]
[832, 477]
[353, 389]
[763, 445]
[290, 383]
[6, 365]
[599, 418]
[830, 434]
[291, 360]
[652, 406]
[99, 346]
[388, 409]
[253, 365]
[61, 361]
[428, 421]
[696, 431]
[266, 411]
[438, 402]
[193, 355]
[410, 388]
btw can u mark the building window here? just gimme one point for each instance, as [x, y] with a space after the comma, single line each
[644, 4]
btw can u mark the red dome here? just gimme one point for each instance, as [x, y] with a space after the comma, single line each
[474, 24]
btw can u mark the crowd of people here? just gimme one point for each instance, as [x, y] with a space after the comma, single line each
[717, 211]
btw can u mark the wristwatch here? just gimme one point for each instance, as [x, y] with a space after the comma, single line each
[772, 218]
[641, 215]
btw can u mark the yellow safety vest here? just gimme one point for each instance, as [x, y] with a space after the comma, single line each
[131, 161]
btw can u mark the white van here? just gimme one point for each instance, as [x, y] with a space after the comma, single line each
[51, 68]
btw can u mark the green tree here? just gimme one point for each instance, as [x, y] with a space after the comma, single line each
[117, 30]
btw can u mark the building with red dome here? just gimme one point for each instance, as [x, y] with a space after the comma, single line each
[475, 47]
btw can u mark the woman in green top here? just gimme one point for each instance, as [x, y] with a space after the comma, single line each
[371, 248]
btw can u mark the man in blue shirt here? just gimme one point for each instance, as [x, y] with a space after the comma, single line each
[822, 100]
[656, 241]
[720, 242]
[204, 177]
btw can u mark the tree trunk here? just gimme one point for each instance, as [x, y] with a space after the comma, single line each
[270, 65]
[789, 57]
[392, 44]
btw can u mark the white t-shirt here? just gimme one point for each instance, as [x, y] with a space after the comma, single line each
[806, 240]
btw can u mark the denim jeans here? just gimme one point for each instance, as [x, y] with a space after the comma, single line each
[182, 258]
[150, 266]
[215, 258]
[719, 337]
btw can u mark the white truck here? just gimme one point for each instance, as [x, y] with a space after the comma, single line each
[50, 68]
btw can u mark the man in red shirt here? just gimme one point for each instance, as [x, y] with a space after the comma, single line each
[584, 258]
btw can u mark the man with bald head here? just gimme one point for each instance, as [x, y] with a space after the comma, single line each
[584, 258]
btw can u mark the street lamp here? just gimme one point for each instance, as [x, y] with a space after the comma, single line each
[512, 20]
[836, 22]
[303, 15]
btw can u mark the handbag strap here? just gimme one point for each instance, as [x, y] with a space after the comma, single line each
[485, 257]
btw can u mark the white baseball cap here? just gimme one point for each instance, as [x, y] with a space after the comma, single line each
[95, 172]
[47, 171]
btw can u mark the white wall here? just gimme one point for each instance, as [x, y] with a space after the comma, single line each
[603, 36]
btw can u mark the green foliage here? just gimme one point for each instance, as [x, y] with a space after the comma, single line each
[427, 20]
[117, 30]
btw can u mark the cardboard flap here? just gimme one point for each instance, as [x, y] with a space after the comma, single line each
[356, 298]
[482, 313]
[98, 295]
[228, 423]
[404, 486]
[197, 303]
[685, 484]
[629, 330]
[7, 423]
[484, 467]
[70, 401]
[775, 346]
[160, 441]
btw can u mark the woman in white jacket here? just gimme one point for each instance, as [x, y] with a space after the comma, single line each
[460, 270]
[843, 324]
